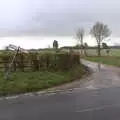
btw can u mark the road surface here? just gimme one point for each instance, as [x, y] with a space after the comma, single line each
[103, 76]
[99, 99]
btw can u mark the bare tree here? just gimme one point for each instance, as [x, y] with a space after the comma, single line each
[100, 32]
[80, 33]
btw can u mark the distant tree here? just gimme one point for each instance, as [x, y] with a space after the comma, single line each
[80, 33]
[55, 44]
[105, 46]
[85, 48]
[86, 45]
[100, 32]
[77, 46]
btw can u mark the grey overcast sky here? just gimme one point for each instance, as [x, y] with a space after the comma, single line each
[56, 17]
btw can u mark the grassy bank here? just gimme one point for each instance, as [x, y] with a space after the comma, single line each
[110, 60]
[22, 82]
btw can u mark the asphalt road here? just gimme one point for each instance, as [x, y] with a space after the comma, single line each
[99, 102]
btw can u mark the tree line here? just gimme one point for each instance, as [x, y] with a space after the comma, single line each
[99, 31]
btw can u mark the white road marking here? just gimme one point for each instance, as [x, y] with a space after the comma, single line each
[91, 87]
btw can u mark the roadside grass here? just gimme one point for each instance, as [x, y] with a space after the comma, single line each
[21, 82]
[110, 60]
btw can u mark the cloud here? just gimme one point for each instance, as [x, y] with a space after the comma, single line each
[56, 17]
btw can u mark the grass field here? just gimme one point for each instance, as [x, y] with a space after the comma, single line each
[21, 82]
[113, 52]
[93, 52]
[113, 58]
[110, 60]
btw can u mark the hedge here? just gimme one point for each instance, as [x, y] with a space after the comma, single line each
[41, 61]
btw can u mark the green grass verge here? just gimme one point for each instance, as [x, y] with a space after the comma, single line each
[105, 60]
[22, 82]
